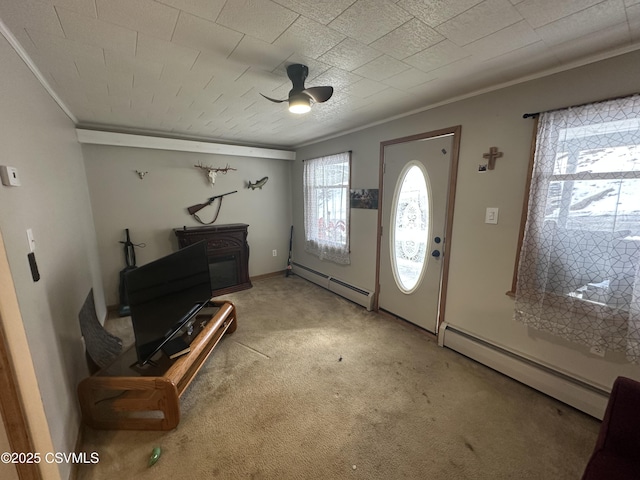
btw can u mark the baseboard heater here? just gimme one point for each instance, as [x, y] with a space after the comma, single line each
[579, 394]
[355, 294]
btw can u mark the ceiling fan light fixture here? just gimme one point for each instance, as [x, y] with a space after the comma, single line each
[299, 104]
[301, 98]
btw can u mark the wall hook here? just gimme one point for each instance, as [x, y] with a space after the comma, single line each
[141, 174]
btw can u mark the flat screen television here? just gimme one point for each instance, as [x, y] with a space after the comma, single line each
[164, 295]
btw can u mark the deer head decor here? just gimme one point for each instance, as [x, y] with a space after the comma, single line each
[212, 172]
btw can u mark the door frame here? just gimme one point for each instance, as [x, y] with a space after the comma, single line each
[11, 404]
[453, 176]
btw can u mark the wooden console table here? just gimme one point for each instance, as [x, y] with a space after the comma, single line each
[227, 251]
[124, 396]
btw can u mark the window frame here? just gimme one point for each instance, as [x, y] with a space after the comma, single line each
[525, 208]
[395, 269]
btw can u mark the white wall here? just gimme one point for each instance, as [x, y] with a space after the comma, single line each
[482, 255]
[152, 207]
[39, 140]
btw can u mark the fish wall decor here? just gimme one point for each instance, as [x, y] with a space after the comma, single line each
[258, 184]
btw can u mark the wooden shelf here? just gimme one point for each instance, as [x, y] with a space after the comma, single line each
[135, 398]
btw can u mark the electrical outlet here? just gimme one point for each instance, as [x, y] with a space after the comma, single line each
[275, 253]
[599, 351]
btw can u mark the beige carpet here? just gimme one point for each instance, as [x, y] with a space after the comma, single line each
[311, 386]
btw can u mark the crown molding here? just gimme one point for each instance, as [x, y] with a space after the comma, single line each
[22, 53]
[98, 137]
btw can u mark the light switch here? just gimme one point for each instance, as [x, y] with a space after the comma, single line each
[491, 216]
[31, 240]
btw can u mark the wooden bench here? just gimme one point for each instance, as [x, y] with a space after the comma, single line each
[124, 396]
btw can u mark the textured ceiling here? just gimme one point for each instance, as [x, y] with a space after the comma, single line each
[196, 68]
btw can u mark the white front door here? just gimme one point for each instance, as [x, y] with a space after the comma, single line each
[415, 188]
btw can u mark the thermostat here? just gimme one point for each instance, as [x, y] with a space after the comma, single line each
[9, 176]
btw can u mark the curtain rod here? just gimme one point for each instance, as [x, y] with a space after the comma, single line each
[533, 115]
[329, 155]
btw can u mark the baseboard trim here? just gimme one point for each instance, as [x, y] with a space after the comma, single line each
[353, 293]
[279, 273]
[588, 398]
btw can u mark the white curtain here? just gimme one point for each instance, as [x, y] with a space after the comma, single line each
[326, 207]
[578, 273]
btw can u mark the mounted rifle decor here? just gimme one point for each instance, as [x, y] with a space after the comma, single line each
[212, 172]
[196, 208]
[130, 259]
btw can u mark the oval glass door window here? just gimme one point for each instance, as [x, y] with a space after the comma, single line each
[410, 220]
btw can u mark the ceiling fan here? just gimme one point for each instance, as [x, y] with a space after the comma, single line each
[300, 98]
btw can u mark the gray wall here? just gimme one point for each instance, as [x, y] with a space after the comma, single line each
[152, 207]
[482, 255]
[39, 140]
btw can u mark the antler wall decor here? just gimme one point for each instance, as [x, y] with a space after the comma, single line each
[212, 172]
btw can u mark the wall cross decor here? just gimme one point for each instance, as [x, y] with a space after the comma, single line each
[492, 156]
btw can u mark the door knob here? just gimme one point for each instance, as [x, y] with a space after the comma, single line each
[435, 253]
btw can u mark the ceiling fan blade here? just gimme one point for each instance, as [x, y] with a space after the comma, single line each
[297, 73]
[273, 99]
[319, 94]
